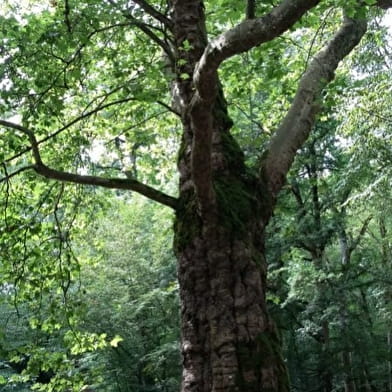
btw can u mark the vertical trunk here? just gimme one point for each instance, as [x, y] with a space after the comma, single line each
[365, 381]
[389, 340]
[229, 342]
[326, 374]
[344, 248]
[349, 383]
[386, 259]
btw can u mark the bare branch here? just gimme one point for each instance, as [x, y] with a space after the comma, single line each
[113, 183]
[250, 9]
[300, 118]
[154, 13]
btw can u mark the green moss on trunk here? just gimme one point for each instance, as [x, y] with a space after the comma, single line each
[236, 205]
[187, 224]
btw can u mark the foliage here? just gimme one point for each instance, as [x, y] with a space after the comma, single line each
[131, 292]
[88, 289]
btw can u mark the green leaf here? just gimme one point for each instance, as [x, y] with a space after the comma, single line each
[185, 76]
[116, 340]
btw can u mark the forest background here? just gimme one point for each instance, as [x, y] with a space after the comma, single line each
[88, 279]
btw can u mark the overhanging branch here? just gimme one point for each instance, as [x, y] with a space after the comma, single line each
[112, 183]
[66, 126]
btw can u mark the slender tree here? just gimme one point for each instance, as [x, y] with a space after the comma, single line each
[229, 341]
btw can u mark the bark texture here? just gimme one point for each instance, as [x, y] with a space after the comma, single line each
[228, 341]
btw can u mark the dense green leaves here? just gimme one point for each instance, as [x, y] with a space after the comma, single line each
[88, 290]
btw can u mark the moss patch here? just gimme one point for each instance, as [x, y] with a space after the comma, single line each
[232, 152]
[187, 224]
[236, 203]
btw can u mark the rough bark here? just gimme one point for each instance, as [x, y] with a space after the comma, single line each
[228, 340]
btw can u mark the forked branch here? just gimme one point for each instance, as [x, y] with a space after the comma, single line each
[149, 9]
[245, 36]
[113, 183]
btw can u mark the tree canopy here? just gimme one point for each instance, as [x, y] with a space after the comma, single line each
[262, 129]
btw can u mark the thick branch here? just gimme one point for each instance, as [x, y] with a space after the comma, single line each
[245, 36]
[300, 118]
[113, 183]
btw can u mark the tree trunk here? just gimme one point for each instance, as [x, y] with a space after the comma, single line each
[389, 342]
[325, 360]
[349, 382]
[229, 342]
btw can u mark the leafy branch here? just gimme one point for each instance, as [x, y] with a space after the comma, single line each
[68, 125]
[113, 183]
